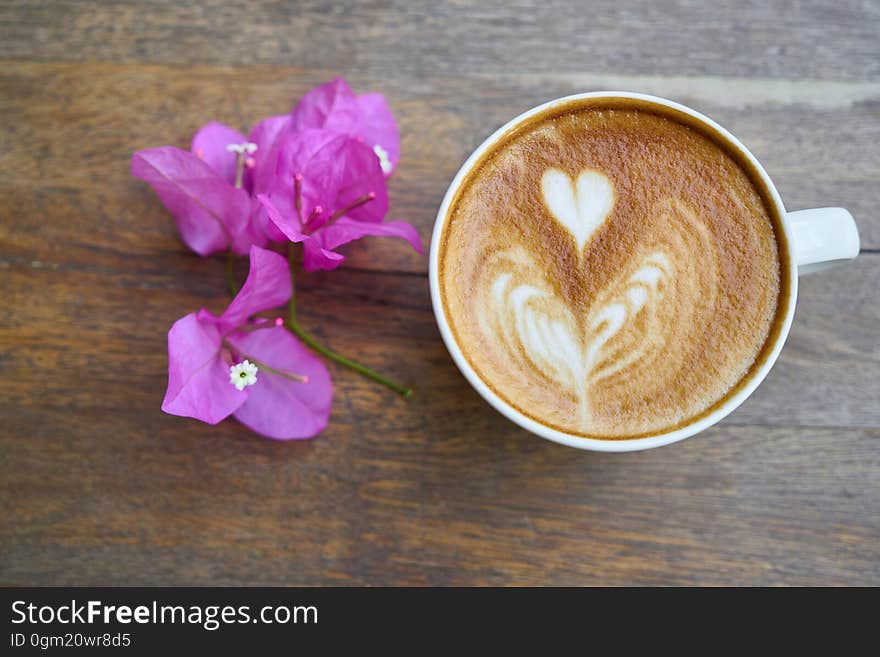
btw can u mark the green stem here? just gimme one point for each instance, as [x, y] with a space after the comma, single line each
[363, 370]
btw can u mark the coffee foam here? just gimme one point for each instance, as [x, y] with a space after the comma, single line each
[610, 272]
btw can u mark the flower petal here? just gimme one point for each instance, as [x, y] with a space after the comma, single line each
[315, 155]
[265, 135]
[254, 233]
[378, 127]
[267, 286]
[278, 407]
[263, 225]
[293, 154]
[209, 145]
[331, 106]
[360, 174]
[210, 213]
[336, 170]
[198, 378]
[272, 173]
[318, 248]
[347, 230]
[266, 132]
[316, 257]
[286, 222]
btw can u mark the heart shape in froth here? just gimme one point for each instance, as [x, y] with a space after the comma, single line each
[580, 205]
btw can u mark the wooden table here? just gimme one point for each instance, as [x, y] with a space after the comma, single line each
[100, 487]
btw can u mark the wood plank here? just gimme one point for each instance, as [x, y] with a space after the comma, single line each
[92, 497]
[827, 374]
[815, 39]
[99, 487]
[75, 319]
[72, 129]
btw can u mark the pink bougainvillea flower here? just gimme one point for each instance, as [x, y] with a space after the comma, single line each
[336, 170]
[251, 368]
[320, 238]
[210, 191]
[316, 179]
[334, 106]
[324, 189]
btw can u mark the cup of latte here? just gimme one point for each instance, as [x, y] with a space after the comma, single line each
[615, 271]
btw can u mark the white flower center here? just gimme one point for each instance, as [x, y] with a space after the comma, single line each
[241, 149]
[384, 162]
[243, 374]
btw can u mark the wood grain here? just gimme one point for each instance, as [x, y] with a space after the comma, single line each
[779, 39]
[813, 139]
[99, 487]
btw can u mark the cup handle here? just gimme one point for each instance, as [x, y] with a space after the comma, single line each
[822, 238]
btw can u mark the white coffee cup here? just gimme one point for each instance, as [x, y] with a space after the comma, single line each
[816, 239]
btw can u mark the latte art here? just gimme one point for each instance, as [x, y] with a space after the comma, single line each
[581, 206]
[647, 312]
[623, 285]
